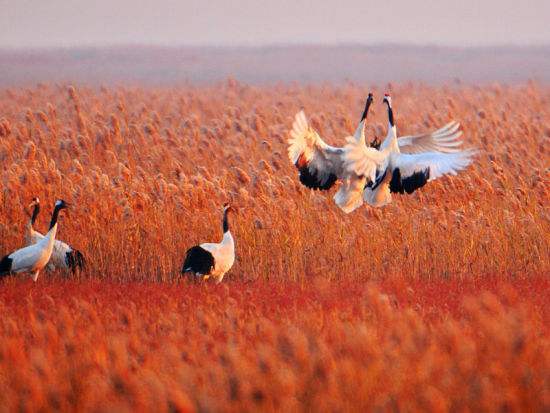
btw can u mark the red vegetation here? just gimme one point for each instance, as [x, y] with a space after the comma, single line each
[99, 345]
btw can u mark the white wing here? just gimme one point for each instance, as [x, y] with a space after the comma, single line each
[363, 160]
[445, 140]
[319, 164]
[438, 164]
[25, 258]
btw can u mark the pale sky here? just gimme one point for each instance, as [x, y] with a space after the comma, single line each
[54, 23]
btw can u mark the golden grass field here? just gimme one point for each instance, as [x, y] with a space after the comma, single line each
[437, 302]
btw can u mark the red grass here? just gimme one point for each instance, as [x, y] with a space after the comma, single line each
[274, 345]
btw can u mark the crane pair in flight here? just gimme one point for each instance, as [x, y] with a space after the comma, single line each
[371, 173]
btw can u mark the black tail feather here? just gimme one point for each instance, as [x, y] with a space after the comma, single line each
[5, 266]
[198, 261]
[75, 260]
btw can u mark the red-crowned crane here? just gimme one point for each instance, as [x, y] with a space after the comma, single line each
[212, 259]
[63, 255]
[33, 258]
[400, 172]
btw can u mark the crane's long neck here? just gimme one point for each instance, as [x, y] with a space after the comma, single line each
[392, 129]
[360, 131]
[49, 238]
[227, 237]
[48, 242]
[35, 212]
[30, 229]
[55, 216]
[225, 221]
[391, 122]
[367, 107]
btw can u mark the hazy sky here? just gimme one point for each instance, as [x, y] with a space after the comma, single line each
[39, 23]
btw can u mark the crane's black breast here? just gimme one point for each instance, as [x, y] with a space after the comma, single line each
[198, 260]
[409, 184]
[5, 265]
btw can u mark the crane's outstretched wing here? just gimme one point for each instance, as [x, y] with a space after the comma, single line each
[412, 171]
[445, 140]
[320, 165]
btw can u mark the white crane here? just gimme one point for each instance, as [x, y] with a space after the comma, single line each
[399, 172]
[321, 165]
[33, 258]
[63, 255]
[210, 259]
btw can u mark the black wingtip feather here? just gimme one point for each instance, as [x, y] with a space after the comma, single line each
[410, 183]
[75, 260]
[198, 261]
[312, 180]
[5, 266]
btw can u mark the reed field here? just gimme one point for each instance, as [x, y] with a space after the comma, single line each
[436, 302]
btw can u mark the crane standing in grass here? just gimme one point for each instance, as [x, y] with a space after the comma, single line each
[35, 257]
[212, 259]
[63, 255]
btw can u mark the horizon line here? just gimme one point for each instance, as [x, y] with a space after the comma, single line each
[274, 45]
